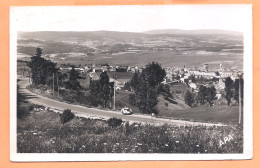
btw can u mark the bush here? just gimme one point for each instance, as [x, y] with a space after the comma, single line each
[66, 116]
[114, 122]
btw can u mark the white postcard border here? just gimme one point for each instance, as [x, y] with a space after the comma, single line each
[35, 157]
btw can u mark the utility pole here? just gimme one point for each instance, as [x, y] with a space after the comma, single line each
[58, 86]
[240, 108]
[53, 83]
[114, 92]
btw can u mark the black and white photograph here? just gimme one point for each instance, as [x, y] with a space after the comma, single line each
[115, 83]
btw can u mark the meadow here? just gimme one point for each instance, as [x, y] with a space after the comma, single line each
[40, 131]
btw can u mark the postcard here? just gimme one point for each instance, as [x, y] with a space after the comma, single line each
[140, 82]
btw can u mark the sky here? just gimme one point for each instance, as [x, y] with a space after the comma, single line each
[131, 18]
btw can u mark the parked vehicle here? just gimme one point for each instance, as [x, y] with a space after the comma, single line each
[126, 111]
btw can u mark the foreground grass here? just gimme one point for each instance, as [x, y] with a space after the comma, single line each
[42, 132]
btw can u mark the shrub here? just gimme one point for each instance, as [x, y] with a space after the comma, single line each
[66, 116]
[166, 104]
[30, 108]
[114, 122]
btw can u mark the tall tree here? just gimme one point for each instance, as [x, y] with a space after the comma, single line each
[105, 88]
[202, 96]
[228, 89]
[73, 82]
[135, 80]
[41, 69]
[189, 98]
[101, 91]
[146, 86]
[94, 92]
[212, 95]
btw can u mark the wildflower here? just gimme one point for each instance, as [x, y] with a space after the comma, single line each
[177, 141]
[126, 148]
[166, 145]
[53, 142]
[197, 146]
[34, 133]
[105, 143]
[83, 146]
[139, 144]
[206, 150]
[117, 143]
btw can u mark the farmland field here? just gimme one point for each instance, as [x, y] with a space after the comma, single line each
[75, 48]
[165, 58]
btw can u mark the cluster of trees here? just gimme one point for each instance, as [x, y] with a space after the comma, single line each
[147, 87]
[205, 95]
[41, 69]
[44, 72]
[232, 90]
[101, 91]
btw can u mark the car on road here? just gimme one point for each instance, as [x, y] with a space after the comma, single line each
[126, 111]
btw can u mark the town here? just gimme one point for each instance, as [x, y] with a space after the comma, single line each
[214, 76]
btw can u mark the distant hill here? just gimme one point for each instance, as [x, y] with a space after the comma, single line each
[171, 47]
[79, 36]
[115, 36]
[202, 31]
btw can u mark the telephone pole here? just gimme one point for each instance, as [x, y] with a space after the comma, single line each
[53, 83]
[58, 85]
[240, 108]
[114, 92]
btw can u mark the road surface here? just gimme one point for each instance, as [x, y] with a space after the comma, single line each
[86, 112]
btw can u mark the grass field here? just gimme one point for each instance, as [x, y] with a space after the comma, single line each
[218, 114]
[42, 132]
[179, 110]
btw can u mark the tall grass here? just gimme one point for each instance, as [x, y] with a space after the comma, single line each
[42, 132]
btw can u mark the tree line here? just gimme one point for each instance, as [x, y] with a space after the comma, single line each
[204, 95]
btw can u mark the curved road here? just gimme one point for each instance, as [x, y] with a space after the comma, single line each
[86, 112]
